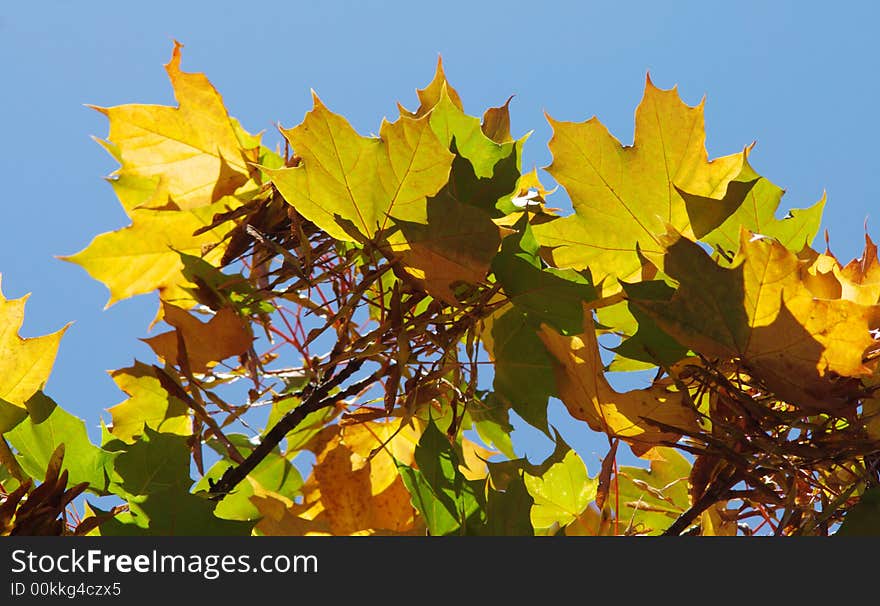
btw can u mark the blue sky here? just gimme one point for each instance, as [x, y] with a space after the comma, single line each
[799, 78]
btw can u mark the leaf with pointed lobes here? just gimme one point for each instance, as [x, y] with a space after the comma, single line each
[362, 180]
[446, 499]
[454, 246]
[148, 405]
[496, 123]
[193, 149]
[463, 134]
[25, 363]
[145, 256]
[857, 281]
[430, 96]
[49, 426]
[355, 487]
[623, 197]
[760, 312]
[633, 416]
[205, 343]
[757, 213]
[561, 494]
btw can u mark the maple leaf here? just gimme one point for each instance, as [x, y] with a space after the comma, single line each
[206, 343]
[561, 494]
[860, 278]
[432, 93]
[344, 177]
[857, 281]
[149, 404]
[145, 256]
[523, 377]
[761, 312]
[197, 152]
[25, 363]
[456, 244]
[496, 123]
[757, 213]
[651, 499]
[623, 197]
[588, 396]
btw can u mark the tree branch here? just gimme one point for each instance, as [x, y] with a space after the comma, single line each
[715, 493]
[316, 400]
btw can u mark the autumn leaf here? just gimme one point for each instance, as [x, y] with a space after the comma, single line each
[430, 96]
[588, 396]
[757, 213]
[561, 494]
[25, 363]
[37, 438]
[623, 197]
[651, 499]
[523, 377]
[454, 246]
[145, 256]
[224, 335]
[760, 311]
[361, 180]
[194, 150]
[361, 490]
[496, 123]
[148, 404]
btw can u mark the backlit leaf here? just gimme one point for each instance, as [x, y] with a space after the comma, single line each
[761, 312]
[25, 363]
[624, 197]
[589, 397]
[193, 149]
[145, 256]
[362, 180]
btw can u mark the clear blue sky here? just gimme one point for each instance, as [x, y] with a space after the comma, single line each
[799, 78]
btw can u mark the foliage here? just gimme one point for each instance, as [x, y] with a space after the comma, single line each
[385, 306]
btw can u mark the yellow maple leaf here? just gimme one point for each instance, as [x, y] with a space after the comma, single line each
[148, 404]
[25, 363]
[145, 256]
[197, 152]
[345, 178]
[361, 494]
[624, 196]
[761, 312]
[588, 396]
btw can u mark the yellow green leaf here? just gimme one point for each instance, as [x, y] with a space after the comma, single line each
[346, 178]
[145, 256]
[148, 404]
[623, 197]
[757, 213]
[651, 499]
[193, 149]
[561, 494]
[25, 363]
